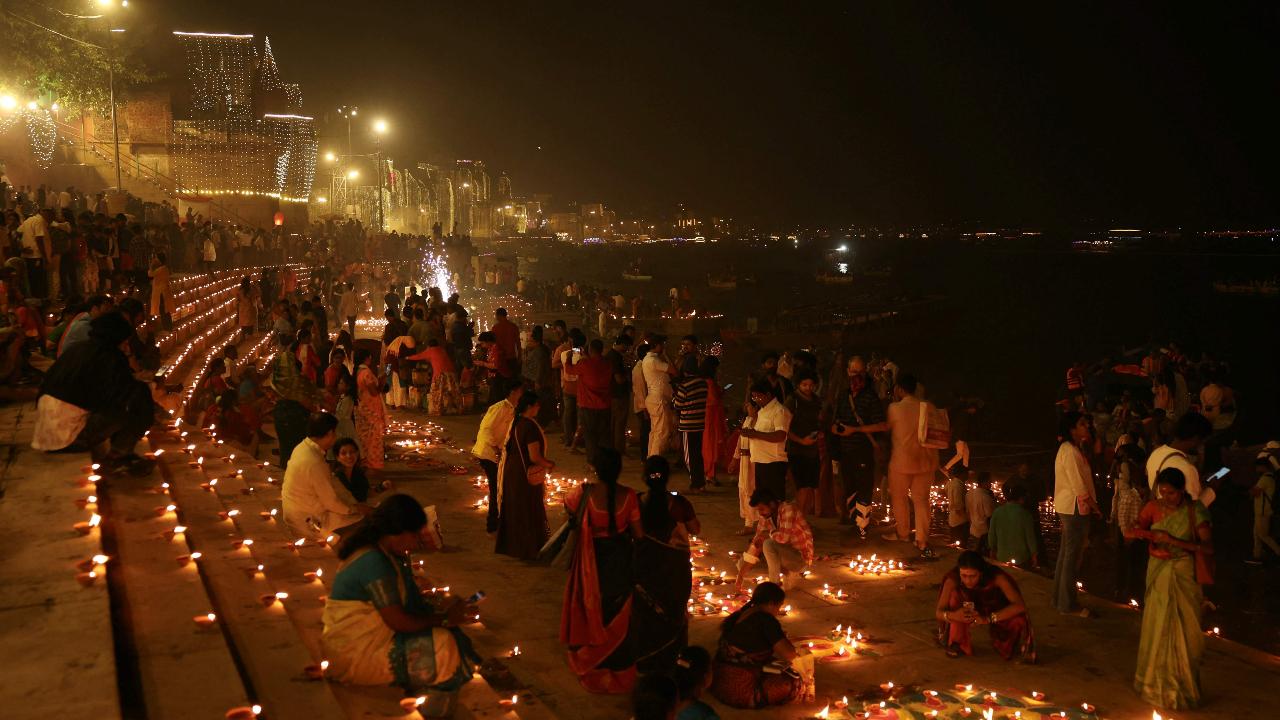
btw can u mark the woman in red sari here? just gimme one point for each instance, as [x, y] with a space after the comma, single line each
[976, 592]
[713, 431]
[751, 640]
[597, 599]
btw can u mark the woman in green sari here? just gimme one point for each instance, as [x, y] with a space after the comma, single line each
[1172, 643]
[378, 629]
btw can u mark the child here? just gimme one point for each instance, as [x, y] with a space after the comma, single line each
[1263, 493]
[980, 504]
[693, 677]
[1012, 533]
[958, 515]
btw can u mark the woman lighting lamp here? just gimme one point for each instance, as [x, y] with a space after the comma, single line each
[378, 628]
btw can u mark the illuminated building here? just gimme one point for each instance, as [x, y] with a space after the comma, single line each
[239, 134]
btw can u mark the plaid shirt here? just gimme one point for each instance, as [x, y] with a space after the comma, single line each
[1127, 502]
[787, 526]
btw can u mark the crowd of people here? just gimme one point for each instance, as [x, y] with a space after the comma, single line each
[809, 443]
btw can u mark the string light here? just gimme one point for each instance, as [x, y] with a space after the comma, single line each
[42, 133]
[223, 149]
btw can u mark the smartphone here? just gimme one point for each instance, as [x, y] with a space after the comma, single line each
[476, 598]
[726, 387]
[1218, 475]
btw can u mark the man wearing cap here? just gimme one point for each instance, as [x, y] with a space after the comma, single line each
[90, 399]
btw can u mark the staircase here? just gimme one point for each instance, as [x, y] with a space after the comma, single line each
[90, 165]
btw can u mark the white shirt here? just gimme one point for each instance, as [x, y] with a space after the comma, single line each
[1167, 456]
[64, 199]
[1072, 479]
[347, 304]
[493, 430]
[311, 496]
[32, 228]
[980, 505]
[772, 417]
[656, 380]
[638, 388]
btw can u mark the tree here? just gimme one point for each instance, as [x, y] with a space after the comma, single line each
[61, 50]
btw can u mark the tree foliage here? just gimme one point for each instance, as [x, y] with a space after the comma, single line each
[41, 59]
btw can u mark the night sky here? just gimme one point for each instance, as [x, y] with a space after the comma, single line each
[878, 112]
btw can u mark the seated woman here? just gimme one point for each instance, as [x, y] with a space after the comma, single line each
[751, 639]
[348, 470]
[378, 629]
[976, 592]
[239, 422]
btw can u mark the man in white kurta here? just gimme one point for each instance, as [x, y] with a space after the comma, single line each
[315, 503]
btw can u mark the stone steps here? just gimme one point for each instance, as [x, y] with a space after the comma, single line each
[56, 633]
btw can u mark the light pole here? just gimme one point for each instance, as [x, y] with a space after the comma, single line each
[380, 129]
[348, 112]
[329, 157]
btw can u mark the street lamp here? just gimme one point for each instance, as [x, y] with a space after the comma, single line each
[348, 112]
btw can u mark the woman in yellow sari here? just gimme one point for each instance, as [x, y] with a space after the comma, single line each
[378, 629]
[1172, 641]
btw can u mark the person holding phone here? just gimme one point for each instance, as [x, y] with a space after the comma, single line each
[803, 436]
[975, 592]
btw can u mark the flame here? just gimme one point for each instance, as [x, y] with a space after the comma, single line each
[824, 712]
[94, 520]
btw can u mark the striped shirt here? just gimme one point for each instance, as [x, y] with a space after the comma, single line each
[690, 401]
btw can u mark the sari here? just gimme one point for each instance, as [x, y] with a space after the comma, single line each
[362, 650]
[596, 617]
[664, 579]
[371, 418]
[1010, 636]
[738, 677]
[713, 430]
[1171, 644]
[522, 513]
[445, 397]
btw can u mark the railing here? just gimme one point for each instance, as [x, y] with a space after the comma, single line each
[104, 150]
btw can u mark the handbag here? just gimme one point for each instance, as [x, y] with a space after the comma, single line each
[935, 427]
[559, 550]
[1204, 562]
[532, 474]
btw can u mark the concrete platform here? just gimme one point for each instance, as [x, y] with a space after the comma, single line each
[1081, 660]
[56, 642]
